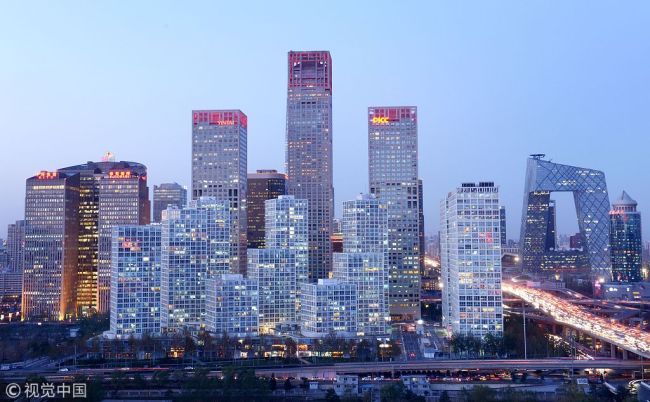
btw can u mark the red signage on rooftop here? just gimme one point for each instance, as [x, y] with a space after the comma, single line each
[44, 175]
[220, 118]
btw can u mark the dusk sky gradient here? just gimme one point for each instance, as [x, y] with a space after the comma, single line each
[493, 82]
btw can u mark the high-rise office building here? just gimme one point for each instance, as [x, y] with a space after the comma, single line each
[262, 185]
[625, 240]
[589, 190]
[167, 194]
[16, 246]
[135, 280]
[471, 260]
[393, 171]
[309, 150]
[287, 229]
[421, 225]
[337, 236]
[111, 193]
[364, 262]
[231, 306]
[329, 306]
[274, 270]
[195, 247]
[219, 163]
[502, 225]
[51, 243]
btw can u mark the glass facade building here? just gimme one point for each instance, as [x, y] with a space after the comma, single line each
[51, 244]
[111, 193]
[329, 306]
[274, 270]
[309, 150]
[470, 237]
[393, 179]
[219, 169]
[232, 302]
[135, 281]
[262, 185]
[165, 195]
[195, 247]
[625, 240]
[589, 190]
[363, 262]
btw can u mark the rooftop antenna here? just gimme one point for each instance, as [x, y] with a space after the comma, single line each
[538, 156]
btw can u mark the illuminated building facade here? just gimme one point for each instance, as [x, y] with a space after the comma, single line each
[110, 193]
[471, 260]
[309, 150]
[16, 246]
[165, 195]
[363, 262]
[219, 163]
[51, 243]
[195, 247]
[287, 228]
[625, 240]
[502, 225]
[393, 171]
[329, 306]
[592, 209]
[232, 302]
[262, 185]
[274, 270]
[135, 280]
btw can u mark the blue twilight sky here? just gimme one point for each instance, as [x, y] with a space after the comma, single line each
[493, 82]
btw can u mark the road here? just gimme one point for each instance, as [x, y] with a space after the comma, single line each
[563, 311]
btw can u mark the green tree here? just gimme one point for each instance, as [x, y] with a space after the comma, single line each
[330, 396]
[393, 392]
[480, 393]
[444, 397]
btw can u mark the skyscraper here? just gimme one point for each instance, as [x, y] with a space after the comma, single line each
[364, 262]
[393, 171]
[195, 247]
[287, 229]
[105, 199]
[51, 243]
[309, 150]
[135, 280]
[625, 240]
[502, 225]
[589, 191]
[167, 194]
[262, 185]
[219, 169]
[471, 260]
[16, 246]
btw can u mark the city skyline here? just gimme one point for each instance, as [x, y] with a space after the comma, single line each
[458, 94]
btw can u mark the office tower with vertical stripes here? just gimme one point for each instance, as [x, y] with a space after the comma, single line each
[309, 150]
[51, 244]
[167, 194]
[393, 179]
[219, 169]
[262, 185]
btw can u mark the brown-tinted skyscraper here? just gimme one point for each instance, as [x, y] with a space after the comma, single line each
[309, 150]
[262, 185]
[165, 195]
[51, 228]
[111, 193]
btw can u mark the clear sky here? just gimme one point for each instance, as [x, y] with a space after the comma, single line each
[493, 81]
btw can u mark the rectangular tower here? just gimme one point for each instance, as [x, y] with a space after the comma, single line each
[51, 242]
[135, 280]
[470, 238]
[309, 150]
[329, 306]
[195, 246]
[219, 169]
[232, 306]
[16, 246]
[123, 200]
[364, 262]
[167, 194]
[393, 171]
[262, 185]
